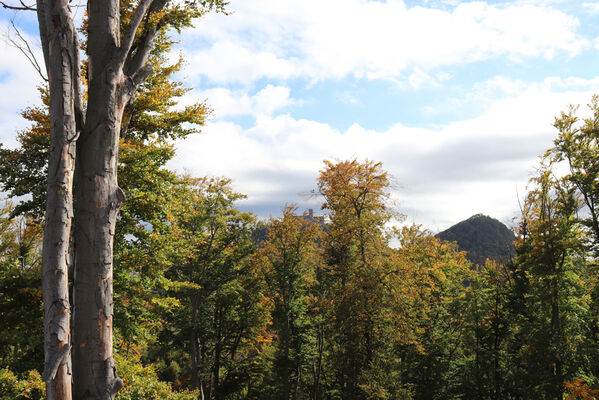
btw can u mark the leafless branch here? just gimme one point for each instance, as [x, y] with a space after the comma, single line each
[136, 20]
[22, 7]
[23, 45]
[143, 48]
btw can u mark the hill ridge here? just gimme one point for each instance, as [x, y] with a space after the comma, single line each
[482, 237]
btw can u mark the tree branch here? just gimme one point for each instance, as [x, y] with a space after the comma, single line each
[22, 7]
[25, 49]
[130, 87]
[137, 61]
[42, 22]
[77, 95]
[129, 35]
[138, 77]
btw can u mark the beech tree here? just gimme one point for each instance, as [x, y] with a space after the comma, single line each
[576, 144]
[289, 259]
[356, 195]
[548, 271]
[84, 139]
[211, 247]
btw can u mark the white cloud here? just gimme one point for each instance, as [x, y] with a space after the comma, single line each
[283, 39]
[232, 62]
[226, 102]
[485, 96]
[592, 7]
[270, 99]
[445, 174]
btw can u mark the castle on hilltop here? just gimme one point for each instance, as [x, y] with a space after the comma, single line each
[309, 215]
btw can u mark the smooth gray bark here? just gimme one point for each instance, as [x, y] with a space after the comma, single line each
[98, 197]
[60, 47]
[88, 148]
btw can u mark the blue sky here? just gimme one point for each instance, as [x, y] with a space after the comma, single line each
[456, 98]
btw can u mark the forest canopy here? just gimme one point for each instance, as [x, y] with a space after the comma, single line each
[325, 308]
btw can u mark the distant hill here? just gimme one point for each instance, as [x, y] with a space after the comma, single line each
[482, 237]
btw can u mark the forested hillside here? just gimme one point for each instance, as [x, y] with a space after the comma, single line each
[482, 237]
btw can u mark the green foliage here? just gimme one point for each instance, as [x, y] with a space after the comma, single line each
[577, 144]
[356, 195]
[29, 387]
[487, 333]
[552, 297]
[289, 259]
[23, 170]
[433, 299]
[211, 331]
[21, 326]
[141, 382]
[210, 303]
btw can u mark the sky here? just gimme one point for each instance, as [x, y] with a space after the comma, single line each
[457, 99]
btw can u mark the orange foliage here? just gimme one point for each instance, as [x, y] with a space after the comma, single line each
[579, 390]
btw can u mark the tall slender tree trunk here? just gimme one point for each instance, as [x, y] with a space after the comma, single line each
[317, 364]
[115, 71]
[98, 199]
[218, 323]
[477, 350]
[193, 344]
[60, 48]
[556, 338]
[496, 342]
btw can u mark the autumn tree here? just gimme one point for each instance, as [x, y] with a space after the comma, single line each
[430, 302]
[209, 334]
[145, 147]
[21, 342]
[549, 265]
[84, 139]
[357, 197]
[289, 259]
[577, 146]
[488, 326]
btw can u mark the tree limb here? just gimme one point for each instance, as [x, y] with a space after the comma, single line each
[26, 50]
[138, 77]
[22, 7]
[129, 35]
[42, 22]
[139, 59]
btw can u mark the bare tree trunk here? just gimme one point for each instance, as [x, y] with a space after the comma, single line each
[317, 363]
[61, 55]
[193, 344]
[98, 199]
[114, 74]
[218, 324]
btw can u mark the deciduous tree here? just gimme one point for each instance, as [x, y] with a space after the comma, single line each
[84, 138]
[290, 258]
[549, 266]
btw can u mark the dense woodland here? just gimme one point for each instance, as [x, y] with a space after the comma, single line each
[206, 307]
